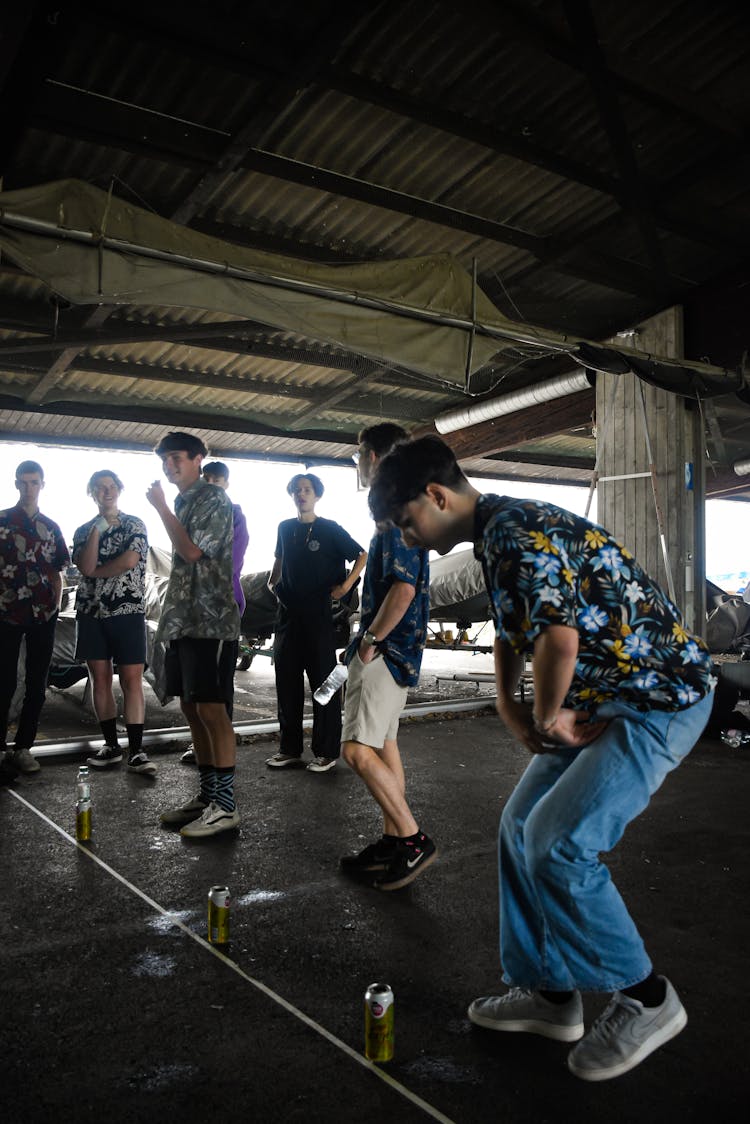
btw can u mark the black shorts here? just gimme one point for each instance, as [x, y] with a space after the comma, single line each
[121, 639]
[201, 671]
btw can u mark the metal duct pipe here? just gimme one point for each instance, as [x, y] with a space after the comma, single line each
[742, 468]
[515, 400]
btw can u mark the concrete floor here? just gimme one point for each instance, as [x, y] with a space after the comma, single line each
[114, 1006]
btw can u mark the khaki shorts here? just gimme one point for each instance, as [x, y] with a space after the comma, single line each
[374, 701]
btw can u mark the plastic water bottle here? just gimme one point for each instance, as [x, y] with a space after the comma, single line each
[331, 684]
[83, 805]
[735, 738]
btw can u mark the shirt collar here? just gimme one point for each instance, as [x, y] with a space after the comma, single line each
[482, 513]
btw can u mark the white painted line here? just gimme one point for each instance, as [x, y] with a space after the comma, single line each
[360, 1059]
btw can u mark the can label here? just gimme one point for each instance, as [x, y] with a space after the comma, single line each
[83, 821]
[218, 914]
[379, 1023]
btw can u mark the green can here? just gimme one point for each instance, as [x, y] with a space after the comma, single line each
[379, 1027]
[218, 914]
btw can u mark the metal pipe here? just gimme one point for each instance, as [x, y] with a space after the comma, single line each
[512, 402]
[183, 733]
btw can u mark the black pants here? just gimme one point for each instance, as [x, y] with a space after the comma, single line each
[305, 644]
[40, 639]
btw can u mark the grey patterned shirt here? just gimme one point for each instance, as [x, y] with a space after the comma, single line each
[200, 595]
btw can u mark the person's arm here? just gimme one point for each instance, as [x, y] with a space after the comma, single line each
[87, 556]
[178, 536]
[395, 603]
[57, 585]
[275, 574]
[341, 590]
[125, 561]
[549, 723]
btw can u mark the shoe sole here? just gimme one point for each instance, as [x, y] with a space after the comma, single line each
[214, 830]
[103, 764]
[143, 770]
[530, 1026]
[408, 878]
[317, 768]
[285, 764]
[370, 868]
[670, 1030]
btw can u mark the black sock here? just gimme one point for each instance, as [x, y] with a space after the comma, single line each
[109, 730]
[135, 737]
[556, 996]
[651, 992]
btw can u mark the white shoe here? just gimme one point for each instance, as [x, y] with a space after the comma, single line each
[321, 764]
[213, 820]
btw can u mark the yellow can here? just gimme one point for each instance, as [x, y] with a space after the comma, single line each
[379, 1027]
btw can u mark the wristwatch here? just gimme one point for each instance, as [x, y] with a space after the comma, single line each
[369, 637]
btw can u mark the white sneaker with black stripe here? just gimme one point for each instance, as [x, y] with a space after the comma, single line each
[139, 763]
[106, 756]
[213, 820]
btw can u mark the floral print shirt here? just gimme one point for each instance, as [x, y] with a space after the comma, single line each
[32, 553]
[544, 565]
[122, 594]
[200, 596]
[388, 560]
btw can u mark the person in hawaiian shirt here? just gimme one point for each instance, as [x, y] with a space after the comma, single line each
[622, 691]
[384, 660]
[110, 551]
[32, 555]
[201, 622]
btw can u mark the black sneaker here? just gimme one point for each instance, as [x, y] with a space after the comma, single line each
[375, 856]
[106, 756]
[408, 862]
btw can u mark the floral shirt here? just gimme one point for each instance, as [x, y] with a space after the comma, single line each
[122, 594]
[390, 560]
[32, 553]
[200, 596]
[543, 565]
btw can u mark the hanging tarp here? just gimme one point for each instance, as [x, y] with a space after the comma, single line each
[424, 314]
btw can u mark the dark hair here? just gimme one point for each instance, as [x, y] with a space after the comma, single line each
[96, 477]
[382, 437]
[181, 442]
[317, 483]
[406, 471]
[215, 468]
[29, 466]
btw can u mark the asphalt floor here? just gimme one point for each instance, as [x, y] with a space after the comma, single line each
[115, 1008]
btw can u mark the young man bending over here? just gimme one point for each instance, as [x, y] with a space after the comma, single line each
[621, 694]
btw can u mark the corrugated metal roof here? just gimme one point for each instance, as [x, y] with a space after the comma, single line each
[400, 130]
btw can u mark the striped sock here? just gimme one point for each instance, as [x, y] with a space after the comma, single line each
[224, 795]
[207, 775]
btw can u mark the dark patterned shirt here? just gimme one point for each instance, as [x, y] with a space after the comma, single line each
[389, 560]
[32, 553]
[200, 596]
[544, 565]
[122, 594]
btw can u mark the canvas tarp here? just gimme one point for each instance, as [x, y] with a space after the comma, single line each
[424, 314]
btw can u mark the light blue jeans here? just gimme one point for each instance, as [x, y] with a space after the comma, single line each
[563, 924]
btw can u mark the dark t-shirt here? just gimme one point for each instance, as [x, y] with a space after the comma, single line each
[313, 560]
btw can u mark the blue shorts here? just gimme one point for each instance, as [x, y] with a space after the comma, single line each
[120, 639]
[201, 671]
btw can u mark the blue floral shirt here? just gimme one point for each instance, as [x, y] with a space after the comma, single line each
[544, 565]
[389, 560]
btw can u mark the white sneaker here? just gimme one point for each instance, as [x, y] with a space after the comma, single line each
[522, 1010]
[213, 820]
[624, 1034]
[321, 764]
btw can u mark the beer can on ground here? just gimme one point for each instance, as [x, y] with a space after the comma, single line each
[379, 1031]
[218, 914]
